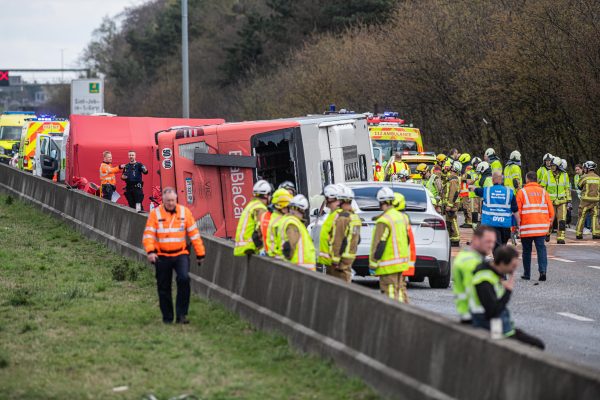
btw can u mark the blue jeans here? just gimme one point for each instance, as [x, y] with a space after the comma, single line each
[480, 321]
[540, 247]
[164, 276]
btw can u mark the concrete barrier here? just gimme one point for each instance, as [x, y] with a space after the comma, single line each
[402, 352]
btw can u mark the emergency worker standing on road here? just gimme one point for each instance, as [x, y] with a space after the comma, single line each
[433, 183]
[559, 189]
[469, 258]
[332, 203]
[392, 247]
[280, 201]
[395, 166]
[400, 206]
[513, 178]
[296, 244]
[544, 170]
[451, 203]
[589, 184]
[132, 175]
[165, 242]
[491, 158]
[465, 200]
[248, 237]
[345, 237]
[108, 181]
[472, 179]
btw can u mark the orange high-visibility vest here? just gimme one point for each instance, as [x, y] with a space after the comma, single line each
[166, 232]
[535, 210]
[265, 218]
[107, 174]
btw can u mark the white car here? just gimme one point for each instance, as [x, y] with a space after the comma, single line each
[429, 229]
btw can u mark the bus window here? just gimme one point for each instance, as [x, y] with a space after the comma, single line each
[276, 156]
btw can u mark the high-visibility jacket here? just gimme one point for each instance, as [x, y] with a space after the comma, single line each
[325, 238]
[535, 210]
[474, 177]
[107, 174]
[265, 218]
[462, 273]
[495, 210]
[590, 187]
[451, 191]
[432, 185]
[558, 187]
[166, 232]
[495, 165]
[378, 173]
[273, 243]
[542, 175]
[464, 185]
[345, 237]
[394, 231]
[249, 226]
[576, 179]
[486, 275]
[398, 166]
[512, 172]
[303, 250]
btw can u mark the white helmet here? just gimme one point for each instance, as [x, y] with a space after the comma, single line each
[482, 167]
[548, 156]
[331, 191]
[589, 165]
[490, 152]
[475, 161]
[563, 164]
[385, 194]
[299, 202]
[346, 194]
[456, 166]
[556, 161]
[262, 188]
[515, 156]
[404, 174]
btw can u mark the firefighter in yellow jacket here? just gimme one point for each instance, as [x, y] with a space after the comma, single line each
[165, 242]
[589, 185]
[296, 244]
[451, 203]
[392, 247]
[248, 237]
[345, 237]
[280, 202]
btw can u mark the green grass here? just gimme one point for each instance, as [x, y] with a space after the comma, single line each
[77, 320]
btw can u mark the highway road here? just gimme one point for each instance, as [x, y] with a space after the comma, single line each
[564, 311]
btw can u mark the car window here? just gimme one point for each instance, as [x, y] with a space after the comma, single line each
[366, 197]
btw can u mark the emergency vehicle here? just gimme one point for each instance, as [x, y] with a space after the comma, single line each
[11, 126]
[38, 130]
[214, 167]
[390, 134]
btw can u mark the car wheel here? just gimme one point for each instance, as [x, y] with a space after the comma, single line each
[439, 282]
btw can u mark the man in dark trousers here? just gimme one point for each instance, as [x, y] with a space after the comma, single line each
[489, 295]
[132, 175]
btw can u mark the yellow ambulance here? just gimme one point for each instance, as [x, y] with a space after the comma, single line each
[33, 131]
[11, 126]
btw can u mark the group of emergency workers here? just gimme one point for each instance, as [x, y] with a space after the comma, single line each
[273, 224]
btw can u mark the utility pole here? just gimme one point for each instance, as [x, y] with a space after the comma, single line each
[62, 65]
[185, 72]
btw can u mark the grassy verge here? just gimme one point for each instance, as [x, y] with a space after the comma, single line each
[76, 321]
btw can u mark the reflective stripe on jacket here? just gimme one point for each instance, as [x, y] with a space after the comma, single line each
[462, 273]
[398, 256]
[248, 224]
[107, 174]
[535, 210]
[495, 210]
[558, 187]
[325, 238]
[274, 250]
[166, 232]
[303, 251]
[589, 184]
[512, 172]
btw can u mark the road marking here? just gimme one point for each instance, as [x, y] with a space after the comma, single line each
[561, 259]
[593, 266]
[575, 316]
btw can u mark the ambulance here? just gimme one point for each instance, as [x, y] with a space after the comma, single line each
[41, 130]
[11, 126]
[214, 167]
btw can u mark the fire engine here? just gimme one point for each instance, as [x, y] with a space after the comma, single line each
[213, 167]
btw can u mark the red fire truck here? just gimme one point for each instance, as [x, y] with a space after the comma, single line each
[213, 167]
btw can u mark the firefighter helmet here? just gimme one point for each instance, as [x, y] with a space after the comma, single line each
[441, 157]
[404, 174]
[299, 202]
[590, 165]
[289, 186]
[399, 201]
[548, 156]
[482, 167]
[281, 198]
[556, 161]
[475, 161]
[331, 191]
[346, 194]
[456, 166]
[262, 188]
[490, 152]
[385, 195]
[464, 158]
[515, 156]
[422, 168]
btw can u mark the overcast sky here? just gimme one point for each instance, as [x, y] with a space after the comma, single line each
[33, 32]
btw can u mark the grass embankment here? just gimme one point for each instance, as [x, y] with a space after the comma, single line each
[77, 321]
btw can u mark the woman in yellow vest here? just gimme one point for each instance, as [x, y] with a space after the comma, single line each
[248, 237]
[296, 244]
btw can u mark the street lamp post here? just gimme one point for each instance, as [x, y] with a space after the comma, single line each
[185, 73]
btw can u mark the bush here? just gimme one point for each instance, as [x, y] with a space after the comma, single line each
[126, 271]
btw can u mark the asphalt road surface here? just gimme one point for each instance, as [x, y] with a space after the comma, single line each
[564, 311]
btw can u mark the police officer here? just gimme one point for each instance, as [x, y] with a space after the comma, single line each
[280, 202]
[296, 244]
[107, 176]
[132, 175]
[469, 258]
[589, 184]
[491, 158]
[332, 203]
[164, 240]
[544, 170]
[451, 203]
[392, 247]
[433, 183]
[513, 177]
[248, 237]
[345, 237]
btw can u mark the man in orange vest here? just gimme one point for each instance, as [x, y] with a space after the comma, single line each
[536, 214]
[164, 240]
[108, 182]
